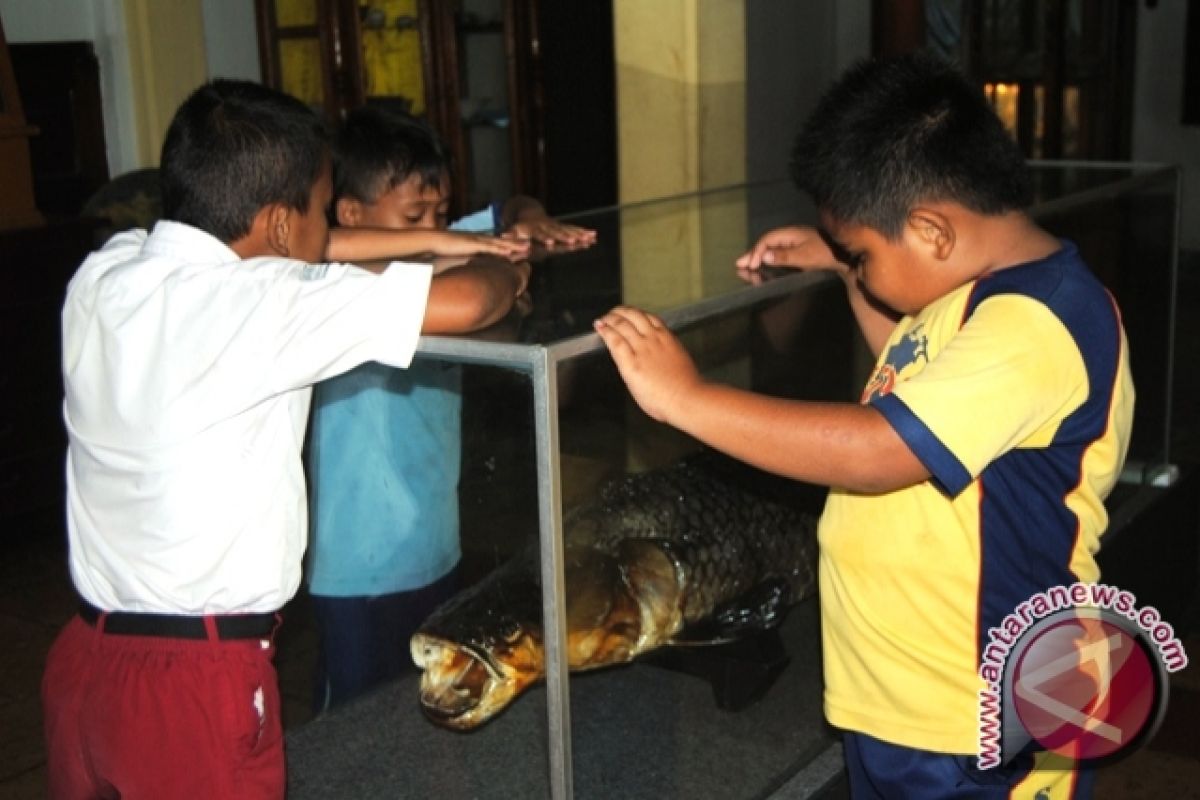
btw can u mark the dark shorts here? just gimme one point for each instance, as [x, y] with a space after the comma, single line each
[881, 770]
[364, 641]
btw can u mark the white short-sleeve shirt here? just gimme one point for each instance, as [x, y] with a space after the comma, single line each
[188, 374]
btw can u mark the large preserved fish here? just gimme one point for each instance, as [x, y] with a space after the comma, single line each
[679, 555]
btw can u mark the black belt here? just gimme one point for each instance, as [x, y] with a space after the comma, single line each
[177, 626]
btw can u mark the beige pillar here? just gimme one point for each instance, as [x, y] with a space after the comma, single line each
[681, 128]
[167, 61]
[681, 111]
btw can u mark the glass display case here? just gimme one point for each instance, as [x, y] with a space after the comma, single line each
[547, 425]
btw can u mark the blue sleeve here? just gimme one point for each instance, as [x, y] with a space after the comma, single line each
[945, 468]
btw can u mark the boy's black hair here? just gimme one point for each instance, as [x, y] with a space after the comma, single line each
[892, 133]
[377, 148]
[234, 147]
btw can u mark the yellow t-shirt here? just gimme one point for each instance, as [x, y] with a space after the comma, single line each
[1015, 392]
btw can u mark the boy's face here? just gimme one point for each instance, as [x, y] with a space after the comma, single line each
[308, 236]
[410, 204]
[903, 274]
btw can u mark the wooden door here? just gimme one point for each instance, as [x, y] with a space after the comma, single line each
[17, 207]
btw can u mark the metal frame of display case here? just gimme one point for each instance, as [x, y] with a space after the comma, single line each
[540, 361]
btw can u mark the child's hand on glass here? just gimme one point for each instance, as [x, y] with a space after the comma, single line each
[651, 360]
[454, 243]
[795, 246]
[550, 233]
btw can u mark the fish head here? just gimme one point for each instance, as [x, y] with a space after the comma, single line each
[464, 686]
[479, 651]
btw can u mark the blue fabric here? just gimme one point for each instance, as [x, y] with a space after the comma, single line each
[879, 770]
[944, 467]
[384, 459]
[1023, 491]
[364, 641]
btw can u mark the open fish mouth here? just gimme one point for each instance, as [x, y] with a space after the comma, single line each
[463, 686]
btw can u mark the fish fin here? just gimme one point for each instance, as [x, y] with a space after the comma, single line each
[759, 609]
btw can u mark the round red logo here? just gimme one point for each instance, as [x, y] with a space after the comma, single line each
[1085, 685]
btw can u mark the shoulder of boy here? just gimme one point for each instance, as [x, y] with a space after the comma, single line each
[485, 220]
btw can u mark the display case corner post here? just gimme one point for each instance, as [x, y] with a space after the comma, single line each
[558, 711]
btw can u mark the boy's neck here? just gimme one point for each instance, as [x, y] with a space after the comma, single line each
[1001, 241]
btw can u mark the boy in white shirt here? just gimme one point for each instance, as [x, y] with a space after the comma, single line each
[188, 359]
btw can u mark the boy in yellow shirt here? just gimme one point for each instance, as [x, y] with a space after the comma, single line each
[973, 471]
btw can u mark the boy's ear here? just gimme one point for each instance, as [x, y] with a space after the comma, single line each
[268, 234]
[348, 212]
[278, 220]
[934, 230]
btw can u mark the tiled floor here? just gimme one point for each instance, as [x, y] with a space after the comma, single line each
[36, 598]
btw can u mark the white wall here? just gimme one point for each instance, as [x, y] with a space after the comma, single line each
[101, 22]
[231, 47]
[231, 39]
[1158, 105]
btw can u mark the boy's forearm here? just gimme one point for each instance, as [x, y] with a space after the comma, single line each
[370, 244]
[832, 444]
[472, 296]
[874, 320]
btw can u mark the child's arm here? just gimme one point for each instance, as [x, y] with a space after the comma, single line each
[803, 247]
[370, 244]
[474, 295]
[524, 218]
[833, 444]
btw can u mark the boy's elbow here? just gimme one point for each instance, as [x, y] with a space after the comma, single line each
[878, 482]
[890, 466]
[480, 309]
[487, 310]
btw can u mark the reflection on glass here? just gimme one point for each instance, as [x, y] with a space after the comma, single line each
[663, 723]
[1072, 145]
[943, 28]
[1003, 98]
[1038, 149]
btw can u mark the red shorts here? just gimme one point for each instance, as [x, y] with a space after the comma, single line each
[152, 717]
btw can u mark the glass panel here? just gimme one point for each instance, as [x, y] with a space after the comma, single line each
[300, 70]
[1010, 39]
[1039, 121]
[944, 21]
[717, 707]
[398, 748]
[1003, 98]
[744, 715]
[294, 13]
[484, 101]
[1070, 122]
